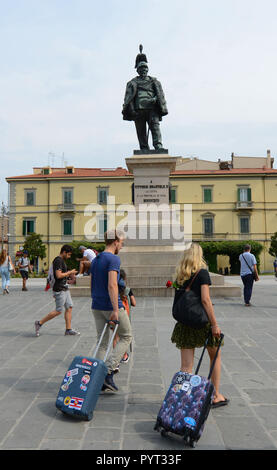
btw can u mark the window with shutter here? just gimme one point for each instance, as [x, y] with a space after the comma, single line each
[173, 195]
[67, 196]
[28, 227]
[244, 224]
[67, 227]
[103, 223]
[207, 193]
[30, 198]
[102, 195]
[208, 225]
[244, 195]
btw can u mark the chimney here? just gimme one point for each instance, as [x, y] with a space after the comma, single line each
[268, 159]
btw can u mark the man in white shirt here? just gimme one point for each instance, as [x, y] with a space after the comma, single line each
[85, 262]
[24, 268]
[248, 269]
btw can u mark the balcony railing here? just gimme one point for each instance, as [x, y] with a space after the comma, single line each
[244, 205]
[66, 207]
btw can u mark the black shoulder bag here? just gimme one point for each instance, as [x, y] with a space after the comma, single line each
[188, 308]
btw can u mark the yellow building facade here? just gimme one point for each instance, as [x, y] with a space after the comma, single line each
[229, 202]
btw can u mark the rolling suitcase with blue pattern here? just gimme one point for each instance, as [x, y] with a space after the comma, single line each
[187, 403]
[83, 383]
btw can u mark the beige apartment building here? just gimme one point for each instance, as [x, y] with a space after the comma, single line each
[231, 200]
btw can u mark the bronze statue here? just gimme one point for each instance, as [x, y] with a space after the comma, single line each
[144, 102]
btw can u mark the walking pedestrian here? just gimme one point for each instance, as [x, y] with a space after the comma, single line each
[24, 268]
[107, 304]
[6, 266]
[275, 268]
[248, 273]
[61, 292]
[187, 338]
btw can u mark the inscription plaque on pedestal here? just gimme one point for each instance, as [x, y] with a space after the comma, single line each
[151, 190]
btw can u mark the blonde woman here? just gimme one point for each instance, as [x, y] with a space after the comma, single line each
[187, 338]
[5, 266]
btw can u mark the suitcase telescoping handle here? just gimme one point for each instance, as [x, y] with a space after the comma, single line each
[216, 354]
[102, 336]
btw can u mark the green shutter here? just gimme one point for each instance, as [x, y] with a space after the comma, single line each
[24, 228]
[249, 194]
[30, 199]
[173, 196]
[67, 227]
[208, 226]
[102, 196]
[67, 197]
[238, 194]
[207, 195]
[244, 225]
[31, 226]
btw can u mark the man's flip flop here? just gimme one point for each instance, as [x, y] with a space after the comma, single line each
[217, 404]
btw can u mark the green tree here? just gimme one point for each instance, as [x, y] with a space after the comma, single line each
[35, 247]
[273, 246]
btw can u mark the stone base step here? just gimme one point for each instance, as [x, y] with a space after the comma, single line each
[228, 290]
[159, 277]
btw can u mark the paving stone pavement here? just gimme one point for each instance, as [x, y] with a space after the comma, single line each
[31, 371]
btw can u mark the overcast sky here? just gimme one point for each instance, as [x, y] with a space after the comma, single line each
[65, 64]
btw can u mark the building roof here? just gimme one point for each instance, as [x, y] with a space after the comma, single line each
[232, 171]
[78, 173]
[119, 172]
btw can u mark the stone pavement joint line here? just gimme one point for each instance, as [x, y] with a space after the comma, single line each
[31, 371]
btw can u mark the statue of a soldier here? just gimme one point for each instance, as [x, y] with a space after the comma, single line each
[144, 102]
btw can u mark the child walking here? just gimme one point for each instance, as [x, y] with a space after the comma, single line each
[128, 300]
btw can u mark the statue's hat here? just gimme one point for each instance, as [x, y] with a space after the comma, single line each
[141, 58]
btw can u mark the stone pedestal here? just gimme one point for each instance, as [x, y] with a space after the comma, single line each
[151, 177]
[151, 199]
[151, 255]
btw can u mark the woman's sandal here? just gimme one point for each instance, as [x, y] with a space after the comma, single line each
[217, 404]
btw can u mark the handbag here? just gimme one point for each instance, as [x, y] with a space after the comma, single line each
[188, 309]
[254, 274]
[10, 266]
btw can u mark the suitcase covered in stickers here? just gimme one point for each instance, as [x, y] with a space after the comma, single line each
[82, 383]
[187, 403]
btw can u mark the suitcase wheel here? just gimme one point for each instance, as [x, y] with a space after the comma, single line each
[157, 427]
[192, 443]
[164, 433]
[189, 441]
[89, 417]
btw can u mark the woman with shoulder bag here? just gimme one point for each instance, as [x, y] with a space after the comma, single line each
[192, 273]
[5, 267]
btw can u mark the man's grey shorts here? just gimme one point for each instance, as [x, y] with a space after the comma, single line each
[63, 299]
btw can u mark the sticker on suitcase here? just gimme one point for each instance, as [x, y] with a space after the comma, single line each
[75, 403]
